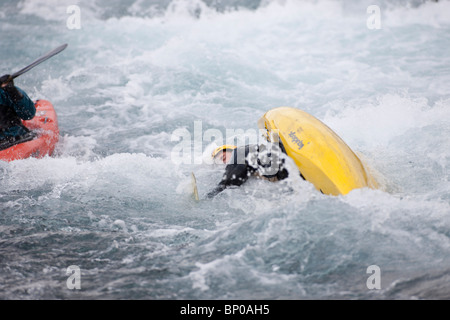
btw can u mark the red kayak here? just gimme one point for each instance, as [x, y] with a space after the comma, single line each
[45, 126]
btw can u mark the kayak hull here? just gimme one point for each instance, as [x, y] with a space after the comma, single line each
[321, 156]
[45, 125]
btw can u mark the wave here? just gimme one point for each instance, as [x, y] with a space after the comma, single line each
[103, 9]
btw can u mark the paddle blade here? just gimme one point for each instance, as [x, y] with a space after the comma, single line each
[194, 186]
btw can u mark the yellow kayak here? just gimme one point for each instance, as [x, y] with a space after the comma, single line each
[322, 157]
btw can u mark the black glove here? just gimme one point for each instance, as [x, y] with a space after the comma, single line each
[4, 79]
[10, 89]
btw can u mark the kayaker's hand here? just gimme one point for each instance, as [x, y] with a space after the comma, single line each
[4, 81]
[10, 89]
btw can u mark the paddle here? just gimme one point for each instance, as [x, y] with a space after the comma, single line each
[194, 186]
[34, 64]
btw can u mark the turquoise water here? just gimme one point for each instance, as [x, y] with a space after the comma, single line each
[114, 202]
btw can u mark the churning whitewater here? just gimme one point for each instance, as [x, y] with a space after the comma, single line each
[111, 214]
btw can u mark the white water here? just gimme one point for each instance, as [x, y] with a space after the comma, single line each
[114, 203]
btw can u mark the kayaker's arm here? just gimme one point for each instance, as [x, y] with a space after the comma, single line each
[25, 107]
[19, 100]
[235, 175]
[216, 191]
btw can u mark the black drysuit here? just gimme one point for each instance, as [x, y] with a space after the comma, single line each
[261, 160]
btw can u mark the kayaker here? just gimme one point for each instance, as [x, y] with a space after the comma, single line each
[263, 161]
[15, 106]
